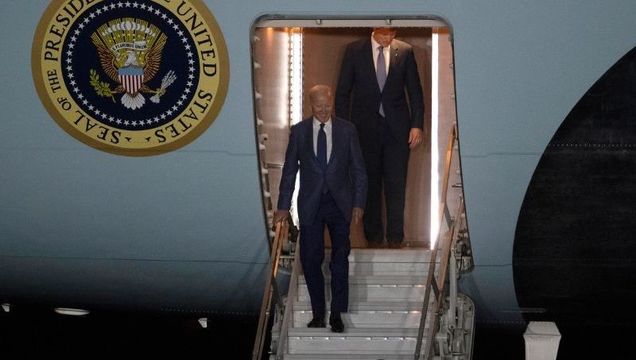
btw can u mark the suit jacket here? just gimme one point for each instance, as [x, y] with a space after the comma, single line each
[345, 174]
[358, 95]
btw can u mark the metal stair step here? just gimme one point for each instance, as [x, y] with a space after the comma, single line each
[397, 341]
[383, 280]
[370, 332]
[386, 261]
[389, 255]
[385, 268]
[375, 288]
[368, 315]
[349, 357]
[370, 306]
[369, 319]
[374, 293]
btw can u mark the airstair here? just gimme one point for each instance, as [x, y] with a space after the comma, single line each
[386, 291]
[389, 291]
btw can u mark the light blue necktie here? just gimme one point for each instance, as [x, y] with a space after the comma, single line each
[380, 73]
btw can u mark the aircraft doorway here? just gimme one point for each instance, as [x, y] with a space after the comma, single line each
[290, 56]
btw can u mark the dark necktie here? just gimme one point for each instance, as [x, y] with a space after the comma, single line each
[321, 147]
[380, 73]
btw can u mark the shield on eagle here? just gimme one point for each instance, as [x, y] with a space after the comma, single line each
[131, 78]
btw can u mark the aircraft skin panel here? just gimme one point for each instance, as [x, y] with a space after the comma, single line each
[497, 222]
[167, 286]
[496, 305]
[129, 208]
[547, 61]
[519, 69]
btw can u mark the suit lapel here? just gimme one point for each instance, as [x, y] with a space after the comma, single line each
[335, 142]
[394, 61]
[309, 143]
[369, 62]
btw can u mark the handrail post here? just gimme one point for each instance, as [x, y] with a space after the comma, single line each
[452, 273]
[453, 267]
[427, 294]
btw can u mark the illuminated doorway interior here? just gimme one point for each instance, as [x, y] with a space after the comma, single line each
[290, 56]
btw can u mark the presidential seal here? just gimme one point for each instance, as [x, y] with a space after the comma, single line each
[131, 77]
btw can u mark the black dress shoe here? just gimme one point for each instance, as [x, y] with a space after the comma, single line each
[316, 323]
[336, 324]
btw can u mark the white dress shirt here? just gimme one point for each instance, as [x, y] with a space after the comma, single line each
[327, 132]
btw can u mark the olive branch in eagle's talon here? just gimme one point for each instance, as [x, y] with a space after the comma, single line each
[102, 88]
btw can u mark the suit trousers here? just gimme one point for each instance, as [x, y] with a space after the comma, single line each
[312, 252]
[386, 159]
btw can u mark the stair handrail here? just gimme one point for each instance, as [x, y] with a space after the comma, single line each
[441, 281]
[271, 289]
[291, 295]
[436, 286]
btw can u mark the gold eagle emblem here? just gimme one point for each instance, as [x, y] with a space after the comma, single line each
[130, 53]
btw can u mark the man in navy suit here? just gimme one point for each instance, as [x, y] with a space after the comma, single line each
[376, 76]
[333, 190]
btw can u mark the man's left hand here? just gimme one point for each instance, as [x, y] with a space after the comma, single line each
[415, 137]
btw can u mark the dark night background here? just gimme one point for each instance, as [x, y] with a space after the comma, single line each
[37, 332]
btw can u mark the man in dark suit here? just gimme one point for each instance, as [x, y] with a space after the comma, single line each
[376, 76]
[333, 190]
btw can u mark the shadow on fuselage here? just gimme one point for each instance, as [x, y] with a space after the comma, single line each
[574, 252]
